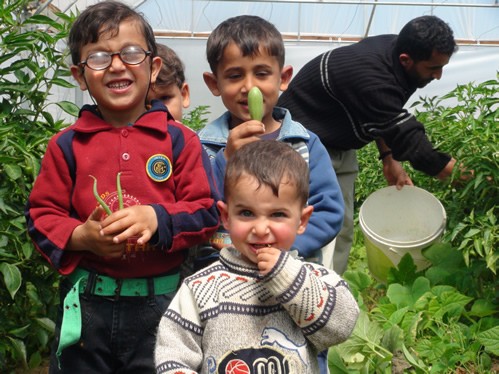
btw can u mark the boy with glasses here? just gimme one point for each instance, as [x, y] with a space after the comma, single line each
[152, 177]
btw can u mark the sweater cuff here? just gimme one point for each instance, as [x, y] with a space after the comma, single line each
[284, 274]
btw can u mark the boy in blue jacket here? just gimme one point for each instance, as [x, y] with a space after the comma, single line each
[248, 51]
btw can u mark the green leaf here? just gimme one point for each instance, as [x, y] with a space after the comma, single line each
[12, 277]
[365, 340]
[406, 296]
[414, 361]
[20, 350]
[62, 83]
[490, 340]
[335, 362]
[483, 308]
[46, 323]
[20, 332]
[393, 339]
[357, 280]
[13, 171]
[405, 273]
[35, 360]
[69, 107]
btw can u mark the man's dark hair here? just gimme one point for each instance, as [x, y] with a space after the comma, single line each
[101, 18]
[249, 33]
[422, 35]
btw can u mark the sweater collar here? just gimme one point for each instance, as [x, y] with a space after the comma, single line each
[91, 121]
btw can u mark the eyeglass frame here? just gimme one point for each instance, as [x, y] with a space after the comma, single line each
[111, 55]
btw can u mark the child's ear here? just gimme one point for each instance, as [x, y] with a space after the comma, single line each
[156, 64]
[305, 217]
[186, 95]
[286, 75]
[211, 81]
[224, 213]
[77, 73]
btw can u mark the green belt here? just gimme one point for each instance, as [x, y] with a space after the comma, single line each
[105, 286]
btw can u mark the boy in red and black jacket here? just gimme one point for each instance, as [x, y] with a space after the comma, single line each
[122, 267]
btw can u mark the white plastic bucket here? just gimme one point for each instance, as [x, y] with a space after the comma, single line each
[395, 222]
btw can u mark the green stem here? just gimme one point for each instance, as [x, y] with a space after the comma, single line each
[120, 192]
[99, 199]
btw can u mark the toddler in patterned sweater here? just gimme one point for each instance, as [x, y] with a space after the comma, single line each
[259, 308]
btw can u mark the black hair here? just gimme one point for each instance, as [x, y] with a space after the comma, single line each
[249, 33]
[423, 35]
[101, 18]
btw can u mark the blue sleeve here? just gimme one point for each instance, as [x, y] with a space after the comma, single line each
[327, 200]
[218, 164]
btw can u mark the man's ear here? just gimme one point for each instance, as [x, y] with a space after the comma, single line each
[212, 82]
[77, 73]
[305, 217]
[406, 61]
[286, 75]
[224, 213]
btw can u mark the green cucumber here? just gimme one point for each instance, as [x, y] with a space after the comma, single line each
[255, 104]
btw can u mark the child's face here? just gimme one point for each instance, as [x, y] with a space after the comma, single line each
[237, 74]
[256, 218]
[175, 99]
[119, 90]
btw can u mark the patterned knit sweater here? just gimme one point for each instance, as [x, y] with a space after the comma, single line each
[227, 318]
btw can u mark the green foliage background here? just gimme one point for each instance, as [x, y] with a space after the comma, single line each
[441, 320]
[30, 68]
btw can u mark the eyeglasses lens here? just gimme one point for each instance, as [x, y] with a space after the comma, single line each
[132, 55]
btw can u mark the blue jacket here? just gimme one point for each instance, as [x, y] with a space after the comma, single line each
[325, 194]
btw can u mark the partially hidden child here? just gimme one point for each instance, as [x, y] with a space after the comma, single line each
[170, 86]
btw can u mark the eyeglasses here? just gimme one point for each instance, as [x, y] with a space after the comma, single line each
[132, 55]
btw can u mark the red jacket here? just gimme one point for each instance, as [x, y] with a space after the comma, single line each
[162, 163]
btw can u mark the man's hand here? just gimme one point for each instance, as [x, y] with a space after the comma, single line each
[395, 173]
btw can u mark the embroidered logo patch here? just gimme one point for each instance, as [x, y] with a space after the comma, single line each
[159, 168]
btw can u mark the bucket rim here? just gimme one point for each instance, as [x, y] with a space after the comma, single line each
[404, 244]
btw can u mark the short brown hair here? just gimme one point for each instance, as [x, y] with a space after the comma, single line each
[271, 162]
[249, 33]
[101, 18]
[172, 69]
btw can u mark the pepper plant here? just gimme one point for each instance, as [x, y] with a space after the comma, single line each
[31, 67]
[443, 319]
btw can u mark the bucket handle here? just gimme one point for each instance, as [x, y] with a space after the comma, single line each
[393, 250]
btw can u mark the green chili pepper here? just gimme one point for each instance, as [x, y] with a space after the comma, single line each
[120, 192]
[99, 199]
[255, 104]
